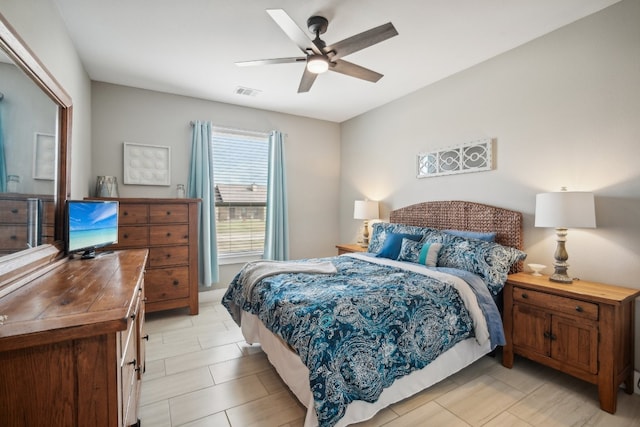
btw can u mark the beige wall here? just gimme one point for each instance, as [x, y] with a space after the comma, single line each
[40, 25]
[564, 110]
[312, 150]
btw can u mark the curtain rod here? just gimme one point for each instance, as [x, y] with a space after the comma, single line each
[230, 129]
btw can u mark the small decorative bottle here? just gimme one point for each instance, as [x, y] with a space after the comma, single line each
[180, 191]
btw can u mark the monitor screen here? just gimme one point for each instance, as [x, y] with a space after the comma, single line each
[90, 225]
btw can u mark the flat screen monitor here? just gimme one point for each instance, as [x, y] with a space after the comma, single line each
[91, 224]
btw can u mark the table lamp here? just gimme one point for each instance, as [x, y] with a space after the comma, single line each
[563, 210]
[366, 210]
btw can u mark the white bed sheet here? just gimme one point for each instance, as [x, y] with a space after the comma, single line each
[296, 375]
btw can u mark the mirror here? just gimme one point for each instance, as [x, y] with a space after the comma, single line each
[36, 125]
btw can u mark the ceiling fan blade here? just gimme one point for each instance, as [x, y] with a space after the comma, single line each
[307, 81]
[353, 70]
[362, 40]
[292, 30]
[271, 61]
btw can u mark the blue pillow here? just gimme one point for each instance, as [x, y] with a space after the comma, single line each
[489, 260]
[419, 252]
[381, 229]
[487, 237]
[393, 243]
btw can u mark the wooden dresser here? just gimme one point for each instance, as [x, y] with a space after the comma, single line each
[584, 329]
[169, 229]
[72, 347]
[13, 221]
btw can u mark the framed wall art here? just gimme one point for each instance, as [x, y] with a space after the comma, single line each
[44, 156]
[473, 156]
[147, 164]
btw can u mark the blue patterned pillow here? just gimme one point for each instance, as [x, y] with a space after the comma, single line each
[381, 229]
[419, 252]
[487, 237]
[489, 260]
[393, 243]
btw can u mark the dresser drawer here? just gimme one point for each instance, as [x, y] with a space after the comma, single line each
[130, 236]
[167, 283]
[169, 255]
[169, 235]
[131, 213]
[13, 237]
[556, 303]
[13, 211]
[169, 213]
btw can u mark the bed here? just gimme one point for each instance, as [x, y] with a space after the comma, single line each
[352, 334]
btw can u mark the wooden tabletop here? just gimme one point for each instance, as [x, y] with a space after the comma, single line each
[77, 298]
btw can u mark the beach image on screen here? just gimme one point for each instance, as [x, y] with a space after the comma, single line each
[92, 224]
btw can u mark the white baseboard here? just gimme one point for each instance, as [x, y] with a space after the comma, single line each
[636, 382]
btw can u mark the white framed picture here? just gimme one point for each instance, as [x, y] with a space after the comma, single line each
[147, 164]
[44, 156]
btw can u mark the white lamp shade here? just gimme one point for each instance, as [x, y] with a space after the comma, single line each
[365, 209]
[565, 209]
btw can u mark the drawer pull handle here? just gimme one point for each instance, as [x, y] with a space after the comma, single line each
[133, 316]
[14, 210]
[14, 237]
[125, 213]
[525, 296]
[547, 335]
[176, 282]
[146, 337]
[126, 235]
[168, 212]
[579, 309]
[168, 234]
[133, 362]
[168, 255]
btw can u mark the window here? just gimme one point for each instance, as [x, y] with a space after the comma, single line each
[240, 165]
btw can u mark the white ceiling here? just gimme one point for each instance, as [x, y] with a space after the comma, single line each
[188, 47]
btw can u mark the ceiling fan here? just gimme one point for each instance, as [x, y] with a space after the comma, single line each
[318, 56]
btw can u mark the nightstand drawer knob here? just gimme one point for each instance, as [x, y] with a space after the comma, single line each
[579, 309]
[525, 296]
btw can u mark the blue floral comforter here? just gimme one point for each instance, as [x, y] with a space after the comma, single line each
[359, 329]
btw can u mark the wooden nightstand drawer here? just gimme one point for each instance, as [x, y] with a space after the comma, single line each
[556, 303]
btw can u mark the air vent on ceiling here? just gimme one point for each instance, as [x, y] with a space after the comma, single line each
[246, 91]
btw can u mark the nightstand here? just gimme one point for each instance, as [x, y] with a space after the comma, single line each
[584, 329]
[350, 247]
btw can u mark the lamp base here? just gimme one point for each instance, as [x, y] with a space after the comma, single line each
[561, 256]
[560, 278]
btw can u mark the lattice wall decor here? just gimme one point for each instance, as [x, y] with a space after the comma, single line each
[472, 156]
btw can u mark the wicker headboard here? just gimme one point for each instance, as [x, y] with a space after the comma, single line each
[461, 215]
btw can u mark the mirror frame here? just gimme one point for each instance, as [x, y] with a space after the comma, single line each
[25, 59]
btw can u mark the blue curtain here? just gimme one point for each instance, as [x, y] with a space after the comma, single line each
[276, 241]
[201, 186]
[3, 162]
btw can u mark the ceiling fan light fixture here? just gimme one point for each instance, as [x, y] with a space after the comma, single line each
[317, 64]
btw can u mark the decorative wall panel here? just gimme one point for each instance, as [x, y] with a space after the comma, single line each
[472, 156]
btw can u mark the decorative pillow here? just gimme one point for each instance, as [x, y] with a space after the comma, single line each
[393, 243]
[419, 252]
[379, 232]
[489, 260]
[487, 237]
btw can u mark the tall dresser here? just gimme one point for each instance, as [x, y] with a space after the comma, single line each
[169, 229]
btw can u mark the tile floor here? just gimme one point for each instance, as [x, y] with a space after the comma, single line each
[200, 372]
